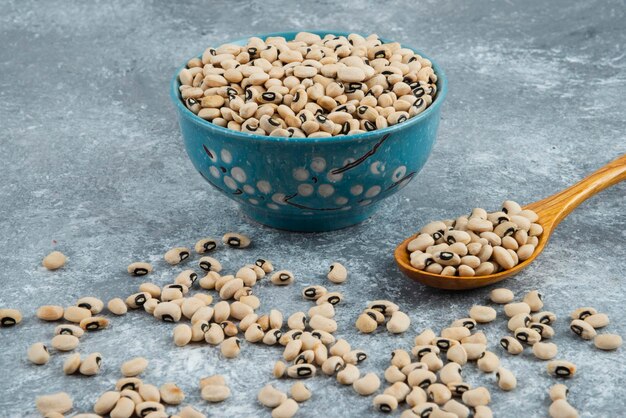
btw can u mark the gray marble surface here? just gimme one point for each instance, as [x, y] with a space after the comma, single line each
[92, 164]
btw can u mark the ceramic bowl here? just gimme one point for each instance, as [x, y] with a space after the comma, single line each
[310, 184]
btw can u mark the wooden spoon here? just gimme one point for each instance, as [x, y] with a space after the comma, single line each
[551, 211]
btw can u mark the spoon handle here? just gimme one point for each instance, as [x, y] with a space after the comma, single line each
[553, 209]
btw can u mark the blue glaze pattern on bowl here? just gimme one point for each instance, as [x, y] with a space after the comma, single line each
[310, 184]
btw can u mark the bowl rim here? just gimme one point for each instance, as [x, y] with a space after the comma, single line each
[442, 83]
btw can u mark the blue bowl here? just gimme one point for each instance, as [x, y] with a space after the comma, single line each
[310, 184]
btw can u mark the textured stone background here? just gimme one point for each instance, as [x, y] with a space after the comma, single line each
[91, 157]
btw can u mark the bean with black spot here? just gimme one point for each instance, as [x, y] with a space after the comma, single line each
[177, 255]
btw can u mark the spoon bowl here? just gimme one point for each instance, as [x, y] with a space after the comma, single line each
[551, 211]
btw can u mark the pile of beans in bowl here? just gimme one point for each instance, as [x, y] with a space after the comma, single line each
[309, 86]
